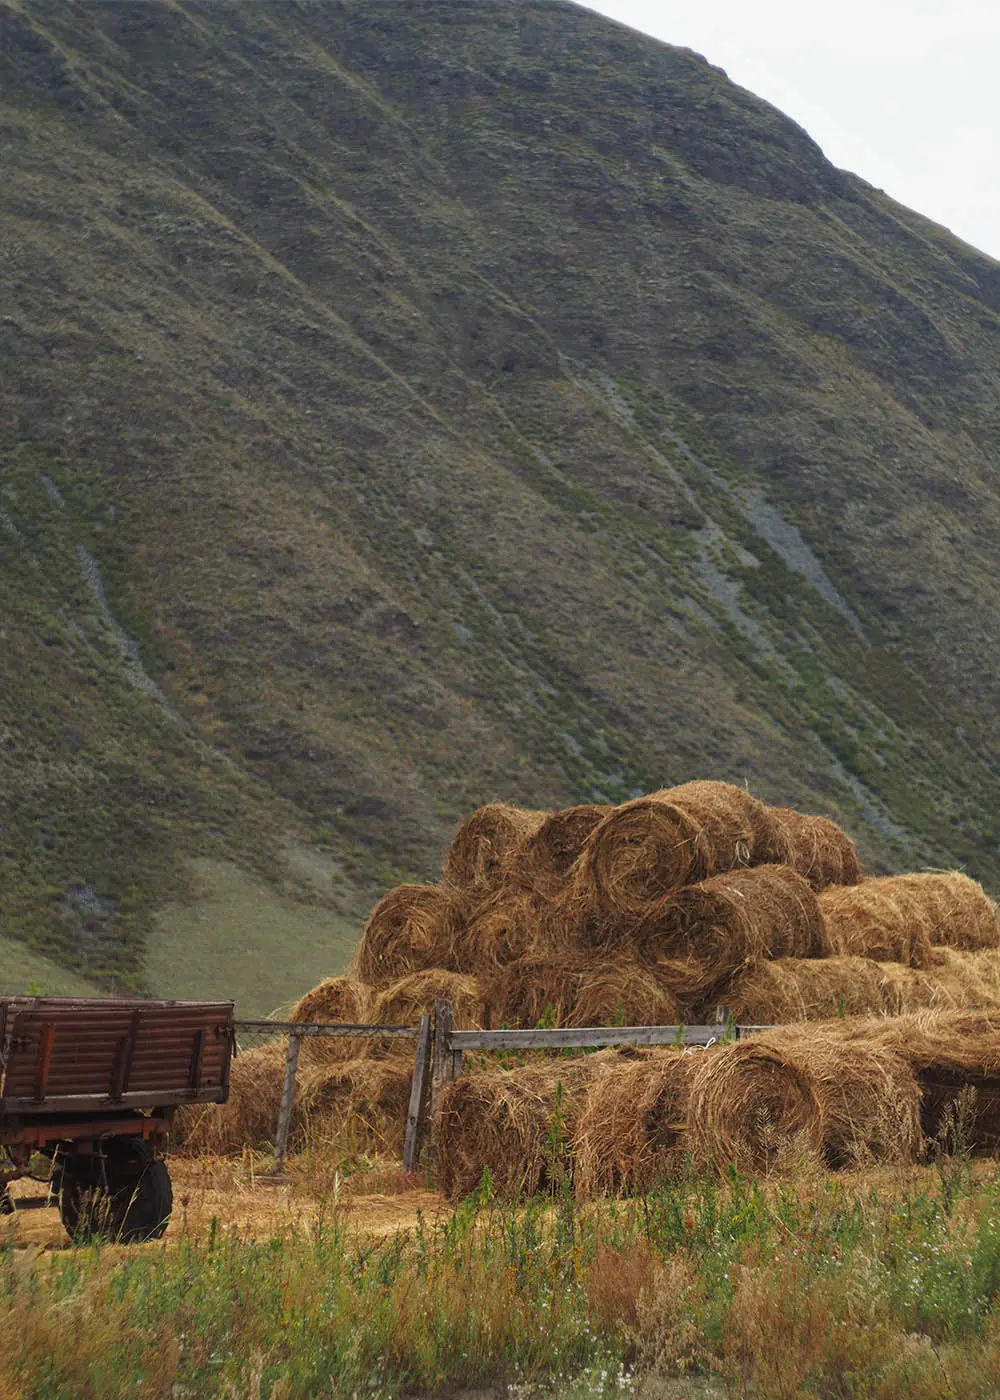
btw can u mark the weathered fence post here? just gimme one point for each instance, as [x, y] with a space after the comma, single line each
[287, 1100]
[444, 1065]
[418, 1093]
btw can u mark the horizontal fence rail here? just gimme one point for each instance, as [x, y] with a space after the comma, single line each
[584, 1037]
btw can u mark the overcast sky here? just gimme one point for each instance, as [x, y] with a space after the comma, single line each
[906, 93]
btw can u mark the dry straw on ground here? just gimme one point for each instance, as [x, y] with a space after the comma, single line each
[645, 849]
[900, 918]
[342, 1000]
[630, 1134]
[816, 847]
[731, 921]
[411, 928]
[516, 1123]
[486, 846]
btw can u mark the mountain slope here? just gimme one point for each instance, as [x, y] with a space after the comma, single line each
[406, 404]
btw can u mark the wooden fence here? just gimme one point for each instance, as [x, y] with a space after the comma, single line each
[440, 1048]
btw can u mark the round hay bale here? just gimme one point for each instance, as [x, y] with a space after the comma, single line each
[625, 992]
[413, 927]
[501, 929]
[752, 1105]
[548, 855]
[485, 847]
[535, 987]
[405, 1001]
[250, 1116]
[809, 989]
[733, 921]
[630, 1135]
[900, 918]
[650, 847]
[969, 979]
[335, 999]
[359, 1106]
[517, 1123]
[816, 847]
[867, 1092]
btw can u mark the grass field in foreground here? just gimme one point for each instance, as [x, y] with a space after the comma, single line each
[881, 1285]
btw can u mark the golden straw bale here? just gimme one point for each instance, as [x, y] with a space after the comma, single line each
[899, 918]
[735, 920]
[949, 1051]
[411, 928]
[648, 848]
[820, 850]
[404, 1002]
[517, 1123]
[801, 1092]
[867, 1092]
[248, 1119]
[486, 847]
[335, 999]
[624, 992]
[548, 855]
[751, 1105]
[818, 989]
[357, 1106]
[501, 929]
[533, 987]
[970, 979]
[630, 1134]
[808, 989]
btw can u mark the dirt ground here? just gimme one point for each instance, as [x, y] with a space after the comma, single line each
[238, 1197]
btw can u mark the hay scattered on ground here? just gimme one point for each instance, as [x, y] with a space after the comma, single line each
[336, 999]
[516, 1124]
[411, 928]
[485, 847]
[900, 918]
[357, 1107]
[650, 847]
[816, 847]
[733, 921]
[630, 1135]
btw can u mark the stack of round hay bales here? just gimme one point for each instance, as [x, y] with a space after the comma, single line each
[652, 912]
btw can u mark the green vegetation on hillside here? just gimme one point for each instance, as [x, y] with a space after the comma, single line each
[404, 405]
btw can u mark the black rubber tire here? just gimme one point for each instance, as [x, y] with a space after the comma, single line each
[126, 1197]
[6, 1204]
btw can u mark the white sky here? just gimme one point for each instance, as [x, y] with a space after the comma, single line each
[905, 93]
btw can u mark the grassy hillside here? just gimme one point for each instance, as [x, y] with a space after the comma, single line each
[408, 404]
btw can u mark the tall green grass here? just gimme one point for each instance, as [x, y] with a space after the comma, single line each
[835, 1289]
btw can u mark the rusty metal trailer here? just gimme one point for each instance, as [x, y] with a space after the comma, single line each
[89, 1086]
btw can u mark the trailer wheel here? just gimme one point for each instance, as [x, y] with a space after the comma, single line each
[123, 1196]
